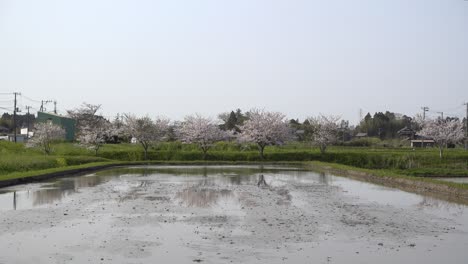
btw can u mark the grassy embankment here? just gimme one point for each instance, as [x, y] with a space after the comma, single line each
[16, 161]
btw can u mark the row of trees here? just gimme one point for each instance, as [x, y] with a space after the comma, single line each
[260, 127]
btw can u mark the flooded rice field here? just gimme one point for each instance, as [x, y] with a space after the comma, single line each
[225, 214]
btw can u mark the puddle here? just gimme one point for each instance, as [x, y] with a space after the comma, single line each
[454, 179]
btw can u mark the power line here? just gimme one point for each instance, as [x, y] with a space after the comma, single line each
[32, 100]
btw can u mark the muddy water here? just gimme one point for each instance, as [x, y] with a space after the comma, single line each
[225, 214]
[454, 179]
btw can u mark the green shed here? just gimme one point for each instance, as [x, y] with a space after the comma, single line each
[69, 124]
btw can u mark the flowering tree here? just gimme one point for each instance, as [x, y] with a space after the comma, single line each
[146, 131]
[265, 129]
[325, 130]
[442, 132]
[93, 129]
[94, 135]
[85, 116]
[44, 135]
[201, 131]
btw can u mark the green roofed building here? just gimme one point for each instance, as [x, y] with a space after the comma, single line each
[69, 124]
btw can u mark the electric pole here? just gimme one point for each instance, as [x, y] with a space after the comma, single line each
[27, 119]
[466, 127]
[441, 115]
[425, 109]
[42, 109]
[55, 107]
[15, 109]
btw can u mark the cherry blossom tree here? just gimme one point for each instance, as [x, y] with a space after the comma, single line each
[85, 116]
[265, 129]
[45, 134]
[443, 132]
[146, 131]
[94, 135]
[93, 129]
[325, 130]
[200, 130]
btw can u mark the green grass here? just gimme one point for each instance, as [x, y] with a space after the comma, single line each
[15, 158]
[25, 174]
[385, 173]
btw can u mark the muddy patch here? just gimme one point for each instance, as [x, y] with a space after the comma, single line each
[244, 215]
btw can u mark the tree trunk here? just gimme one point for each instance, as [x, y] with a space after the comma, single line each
[323, 148]
[145, 147]
[441, 150]
[261, 149]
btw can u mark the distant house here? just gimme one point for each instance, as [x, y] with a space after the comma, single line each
[361, 135]
[19, 138]
[69, 124]
[422, 143]
[25, 131]
[407, 133]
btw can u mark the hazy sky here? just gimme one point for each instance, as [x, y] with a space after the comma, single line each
[300, 57]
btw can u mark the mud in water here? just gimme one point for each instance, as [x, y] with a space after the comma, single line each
[225, 214]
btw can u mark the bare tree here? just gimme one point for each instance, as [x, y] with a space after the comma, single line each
[325, 130]
[201, 131]
[45, 134]
[443, 132]
[265, 129]
[146, 131]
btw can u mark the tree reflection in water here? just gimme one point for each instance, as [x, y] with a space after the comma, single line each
[199, 196]
[261, 181]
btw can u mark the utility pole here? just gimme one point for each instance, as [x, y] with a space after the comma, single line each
[15, 109]
[42, 104]
[441, 115]
[425, 109]
[27, 119]
[55, 107]
[466, 127]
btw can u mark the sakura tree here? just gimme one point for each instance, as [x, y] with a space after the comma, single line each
[325, 130]
[265, 129]
[200, 130]
[84, 116]
[94, 135]
[146, 131]
[45, 134]
[443, 132]
[93, 129]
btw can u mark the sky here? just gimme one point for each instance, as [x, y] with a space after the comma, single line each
[177, 57]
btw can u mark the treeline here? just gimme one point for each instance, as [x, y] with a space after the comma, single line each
[22, 121]
[382, 125]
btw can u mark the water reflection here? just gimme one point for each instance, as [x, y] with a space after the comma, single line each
[324, 179]
[199, 196]
[197, 170]
[261, 181]
[208, 185]
[33, 196]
